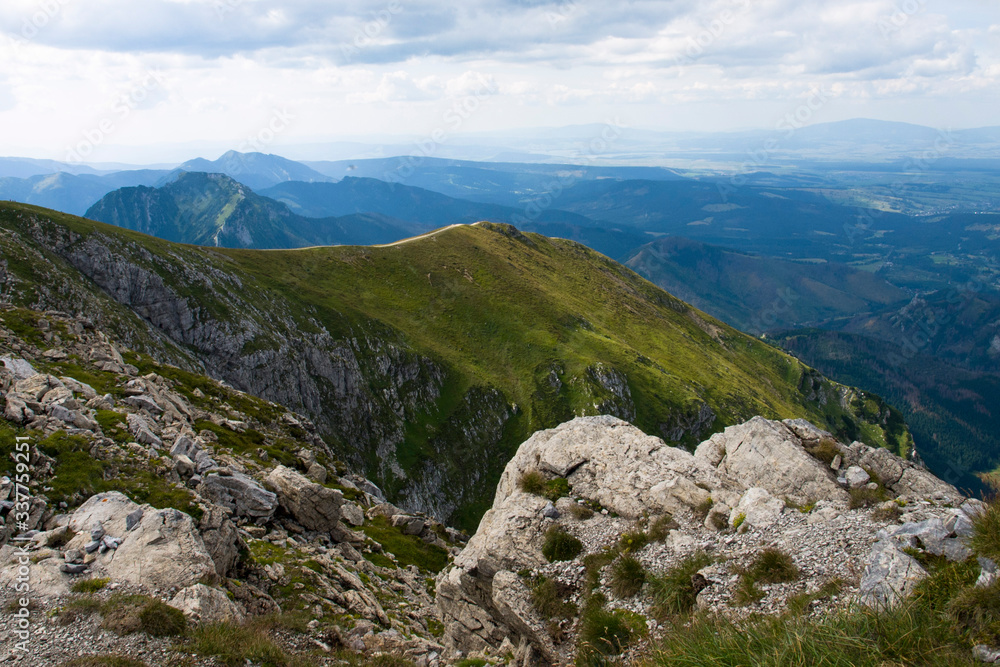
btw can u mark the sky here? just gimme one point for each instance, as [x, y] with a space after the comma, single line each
[86, 79]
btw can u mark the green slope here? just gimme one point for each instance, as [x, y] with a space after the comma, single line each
[756, 293]
[429, 361]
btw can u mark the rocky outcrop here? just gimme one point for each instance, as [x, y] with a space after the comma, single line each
[757, 485]
[240, 494]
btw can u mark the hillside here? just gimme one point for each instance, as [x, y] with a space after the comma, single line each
[425, 363]
[755, 293]
[255, 170]
[215, 210]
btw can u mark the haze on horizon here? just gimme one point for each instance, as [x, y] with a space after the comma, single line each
[135, 78]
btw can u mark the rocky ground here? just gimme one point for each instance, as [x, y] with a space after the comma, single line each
[173, 520]
[272, 526]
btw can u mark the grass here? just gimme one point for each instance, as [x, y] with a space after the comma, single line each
[550, 599]
[627, 577]
[408, 549]
[535, 483]
[581, 512]
[89, 585]
[738, 520]
[633, 541]
[800, 603]
[673, 592]
[771, 566]
[234, 645]
[865, 497]
[76, 609]
[604, 633]
[560, 545]
[986, 533]
[127, 614]
[102, 661]
[826, 450]
[660, 528]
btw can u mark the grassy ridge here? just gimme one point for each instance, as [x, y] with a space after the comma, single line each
[529, 332]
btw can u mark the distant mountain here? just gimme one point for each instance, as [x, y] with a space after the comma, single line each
[215, 210]
[432, 209]
[756, 293]
[72, 193]
[505, 183]
[255, 170]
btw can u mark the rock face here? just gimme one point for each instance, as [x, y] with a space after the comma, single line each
[240, 494]
[760, 477]
[312, 505]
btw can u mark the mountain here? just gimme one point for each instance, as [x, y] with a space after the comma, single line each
[426, 362]
[756, 293]
[255, 170]
[215, 210]
[505, 183]
[72, 193]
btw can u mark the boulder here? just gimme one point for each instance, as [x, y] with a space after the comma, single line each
[20, 368]
[758, 508]
[770, 455]
[36, 386]
[240, 494]
[856, 477]
[17, 411]
[409, 525]
[222, 539]
[352, 514]
[890, 575]
[315, 507]
[202, 604]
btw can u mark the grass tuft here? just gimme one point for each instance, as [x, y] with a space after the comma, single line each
[550, 599]
[627, 577]
[985, 540]
[89, 585]
[560, 545]
[674, 592]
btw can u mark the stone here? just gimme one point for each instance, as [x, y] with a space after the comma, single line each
[409, 525]
[133, 519]
[770, 455]
[239, 493]
[886, 467]
[20, 368]
[202, 604]
[143, 402]
[312, 505]
[184, 466]
[987, 573]
[550, 511]
[221, 538]
[352, 514]
[78, 387]
[17, 411]
[758, 508]
[74, 568]
[62, 414]
[890, 576]
[317, 473]
[984, 653]
[36, 386]
[856, 477]
[184, 446]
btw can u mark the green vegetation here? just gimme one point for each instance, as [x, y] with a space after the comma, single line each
[89, 585]
[674, 592]
[660, 528]
[799, 604]
[986, 533]
[126, 614]
[103, 661]
[605, 633]
[632, 541]
[627, 577]
[235, 645]
[550, 599]
[534, 482]
[560, 545]
[408, 549]
[771, 566]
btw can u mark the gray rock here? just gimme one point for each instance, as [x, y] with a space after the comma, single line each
[97, 531]
[17, 411]
[240, 494]
[222, 539]
[74, 568]
[352, 514]
[202, 604]
[185, 446]
[133, 519]
[984, 653]
[184, 466]
[91, 547]
[987, 573]
[312, 505]
[143, 402]
[856, 477]
[550, 511]
[21, 369]
[317, 473]
[409, 525]
[890, 575]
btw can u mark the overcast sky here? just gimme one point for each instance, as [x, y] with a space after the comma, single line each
[106, 73]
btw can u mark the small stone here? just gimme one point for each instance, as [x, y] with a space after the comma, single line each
[856, 477]
[984, 653]
[550, 511]
[92, 547]
[73, 556]
[133, 519]
[97, 531]
[74, 568]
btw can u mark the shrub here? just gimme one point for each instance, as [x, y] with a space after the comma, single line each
[627, 577]
[703, 508]
[581, 512]
[556, 488]
[532, 481]
[738, 521]
[594, 563]
[771, 566]
[549, 598]
[674, 592]
[60, 539]
[89, 585]
[826, 451]
[560, 545]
